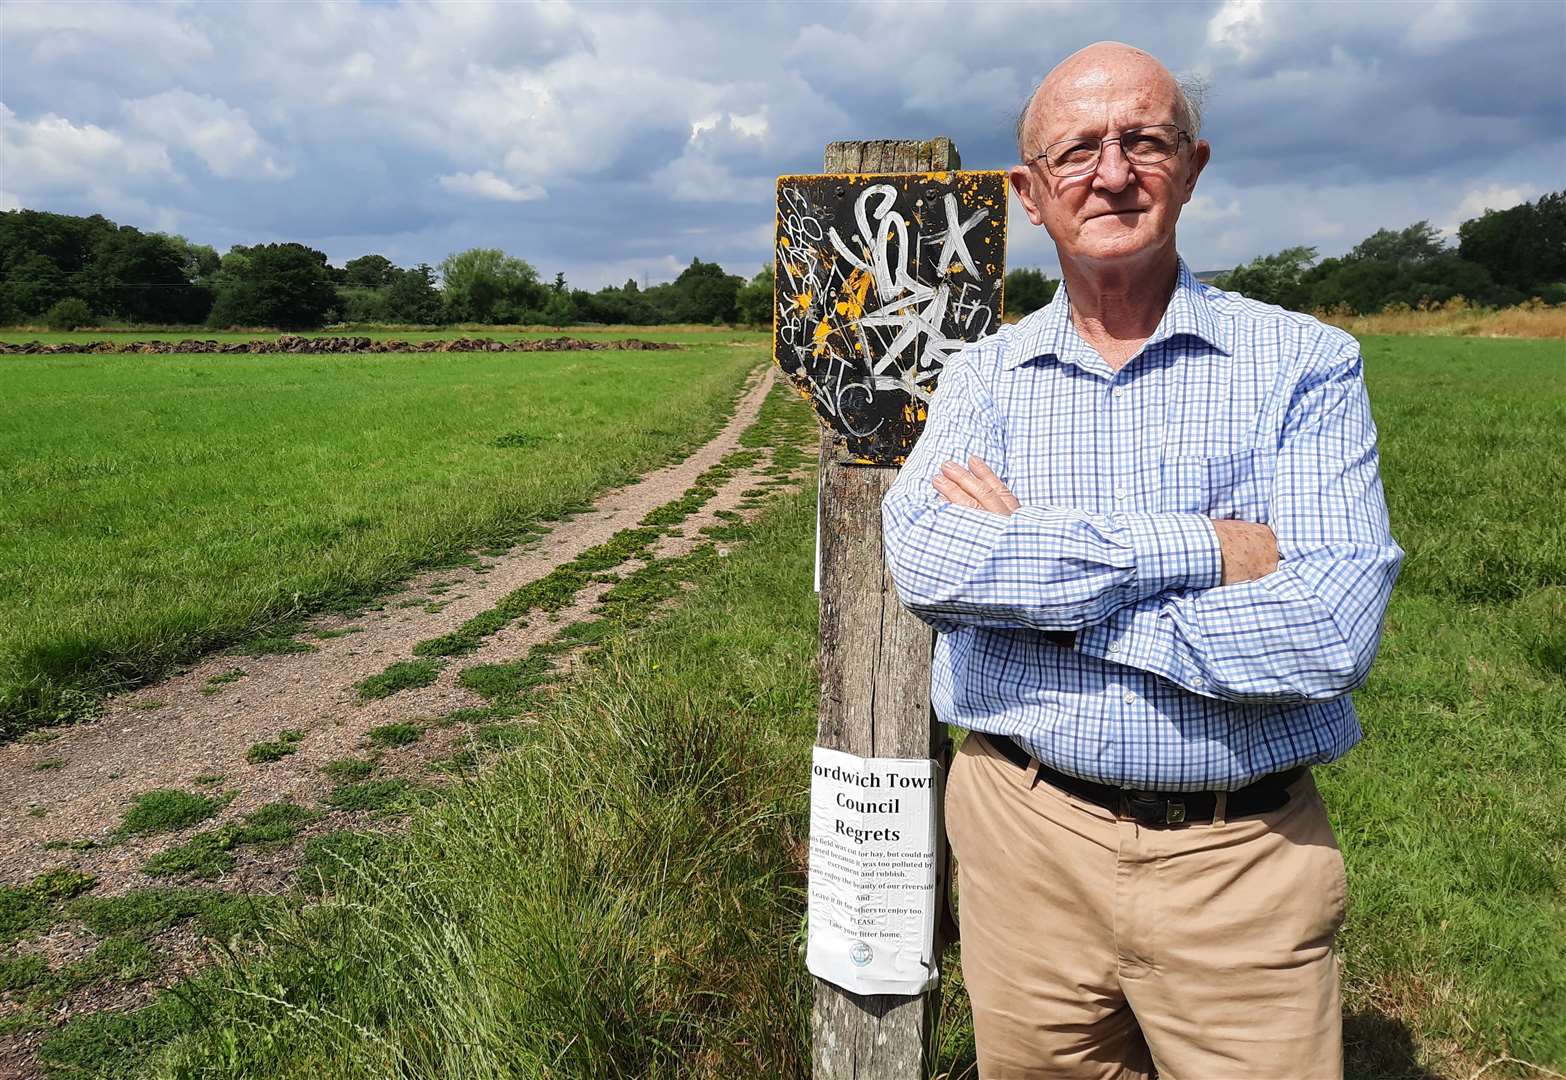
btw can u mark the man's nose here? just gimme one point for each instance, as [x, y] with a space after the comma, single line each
[1114, 169]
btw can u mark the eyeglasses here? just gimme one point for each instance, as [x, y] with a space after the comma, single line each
[1141, 146]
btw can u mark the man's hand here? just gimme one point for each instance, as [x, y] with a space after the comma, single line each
[976, 486]
[1250, 551]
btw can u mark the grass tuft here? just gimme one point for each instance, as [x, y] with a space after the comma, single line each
[347, 770]
[209, 855]
[395, 734]
[371, 795]
[403, 675]
[168, 809]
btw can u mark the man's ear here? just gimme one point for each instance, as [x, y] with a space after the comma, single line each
[1021, 177]
[1201, 153]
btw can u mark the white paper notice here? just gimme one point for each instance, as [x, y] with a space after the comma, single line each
[872, 873]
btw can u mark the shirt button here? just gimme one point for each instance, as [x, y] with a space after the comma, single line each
[1120, 493]
[1120, 391]
[1114, 646]
[1130, 698]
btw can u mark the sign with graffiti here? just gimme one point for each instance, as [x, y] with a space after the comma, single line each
[879, 280]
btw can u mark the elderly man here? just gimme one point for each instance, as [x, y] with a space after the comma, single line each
[1148, 523]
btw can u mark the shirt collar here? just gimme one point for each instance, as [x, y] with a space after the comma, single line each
[1049, 331]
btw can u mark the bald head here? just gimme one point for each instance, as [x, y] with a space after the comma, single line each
[1102, 65]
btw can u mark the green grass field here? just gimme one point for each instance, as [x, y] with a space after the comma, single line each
[696, 335]
[621, 895]
[159, 505]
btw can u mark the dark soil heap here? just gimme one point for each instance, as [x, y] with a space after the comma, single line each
[293, 343]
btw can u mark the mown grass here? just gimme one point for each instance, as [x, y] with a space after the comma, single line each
[1449, 811]
[682, 334]
[621, 894]
[161, 506]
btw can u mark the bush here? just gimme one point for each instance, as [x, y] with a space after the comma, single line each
[69, 314]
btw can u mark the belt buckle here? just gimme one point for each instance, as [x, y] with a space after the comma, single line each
[1150, 808]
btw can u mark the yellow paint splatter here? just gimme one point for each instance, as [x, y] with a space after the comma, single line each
[818, 343]
[802, 301]
[851, 304]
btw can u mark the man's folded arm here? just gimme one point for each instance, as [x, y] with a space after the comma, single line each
[1043, 567]
[1310, 629]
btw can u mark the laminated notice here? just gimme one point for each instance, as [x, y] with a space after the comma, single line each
[872, 873]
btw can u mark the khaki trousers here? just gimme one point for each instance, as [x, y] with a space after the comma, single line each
[1096, 947]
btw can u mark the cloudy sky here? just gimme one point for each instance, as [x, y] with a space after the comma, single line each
[617, 140]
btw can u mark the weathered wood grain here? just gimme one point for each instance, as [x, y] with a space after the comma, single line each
[875, 688]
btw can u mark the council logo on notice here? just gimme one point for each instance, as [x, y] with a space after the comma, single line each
[860, 954]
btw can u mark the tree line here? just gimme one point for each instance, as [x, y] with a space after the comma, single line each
[1502, 257]
[68, 271]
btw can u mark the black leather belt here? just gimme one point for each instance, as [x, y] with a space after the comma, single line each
[1158, 808]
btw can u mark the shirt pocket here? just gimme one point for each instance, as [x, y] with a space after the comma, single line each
[1236, 485]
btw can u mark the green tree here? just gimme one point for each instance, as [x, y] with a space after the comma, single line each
[703, 293]
[1027, 290]
[141, 277]
[753, 303]
[32, 285]
[357, 304]
[1524, 246]
[626, 306]
[43, 259]
[486, 285]
[559, 309]
[288, 286]
[369, 271]
[199, 261]
[1272, 279]
[413, 298]
[1418, 242]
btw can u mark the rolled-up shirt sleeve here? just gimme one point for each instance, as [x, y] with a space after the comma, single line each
[1044, 567]
[1310, 629]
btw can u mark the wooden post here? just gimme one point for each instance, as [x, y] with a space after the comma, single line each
[875, 689]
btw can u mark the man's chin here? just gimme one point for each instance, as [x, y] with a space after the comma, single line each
[1127, 244]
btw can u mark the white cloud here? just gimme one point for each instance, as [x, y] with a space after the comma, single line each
[161, 34]
[1239, 26]
[753, 124]
[694, 178]
[208, 127]
[1203, 210]
[1494, 197]
[486, 185]
[52, 154]
[1438, 26]
[613, 131]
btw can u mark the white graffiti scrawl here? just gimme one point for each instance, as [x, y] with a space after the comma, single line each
[879, 280]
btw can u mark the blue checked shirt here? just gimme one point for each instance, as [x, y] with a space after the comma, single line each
[1233, 409]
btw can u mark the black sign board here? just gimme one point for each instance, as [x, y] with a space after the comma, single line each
[879, 280]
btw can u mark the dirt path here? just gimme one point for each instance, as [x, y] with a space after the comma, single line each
[60, 799]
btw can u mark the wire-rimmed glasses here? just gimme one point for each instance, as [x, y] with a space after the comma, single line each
[1141, 146]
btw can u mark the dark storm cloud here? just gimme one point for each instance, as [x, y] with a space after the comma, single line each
[617, 141]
